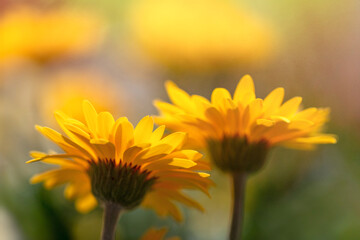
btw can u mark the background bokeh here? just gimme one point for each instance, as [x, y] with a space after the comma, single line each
[118, 54]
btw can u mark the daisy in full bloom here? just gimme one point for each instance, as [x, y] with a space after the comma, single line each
[201, 35]
[239, 130]
[243, 122]
[112, 162]
[41, 35]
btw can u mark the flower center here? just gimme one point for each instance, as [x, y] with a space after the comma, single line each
[234, 154]
[123, 184]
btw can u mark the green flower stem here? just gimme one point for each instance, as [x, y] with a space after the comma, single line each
[111, 217]
[239, 182]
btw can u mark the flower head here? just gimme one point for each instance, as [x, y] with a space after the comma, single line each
[110, 161]
[243, 127]
[42, 35]
[201, 35]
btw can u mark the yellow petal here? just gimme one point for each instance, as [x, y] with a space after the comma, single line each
[178, 196]
[77, 134]
[105, 123]
[59, 159]
[61, 118]
[143, 130]
[245, 90]
[218, 97]
[183, 163]
[273, 101]
[300, 146]
[42, 176]
[175, 140]
[300, 124]
[265, 122]
[157, 134]
[290, 107]
[86, 203]
[77, 188]
[201, 166]
[75, 129]
[165, 107]
[115, 127]
[179, 97]
[252, 112]
[66, 144]
[162, 205]
[186, 153]
[124, 138]
[157, 151]
[55, 174]
[204, 175]
[90, 115]
[280, 119]
[256, 109]
[186, 179]
[37, 154]
[130, 153]
[215, 117]
[103, 148]
[306, 113]
[83, 141]
[200, 100]
[321, 139]
[62, 176]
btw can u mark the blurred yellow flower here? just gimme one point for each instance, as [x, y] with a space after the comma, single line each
[157, 234]
[111, 162]
[200, 34]
[42, 35]
[66, 90]
[242, 128]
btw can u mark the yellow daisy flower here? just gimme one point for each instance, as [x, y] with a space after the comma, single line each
[201, 35]
[113, 162]
[238, 131]
[243, 121]
[157, 234]
[42, 35]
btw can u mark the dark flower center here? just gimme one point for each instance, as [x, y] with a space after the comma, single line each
[123, 184]
[234, 154]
